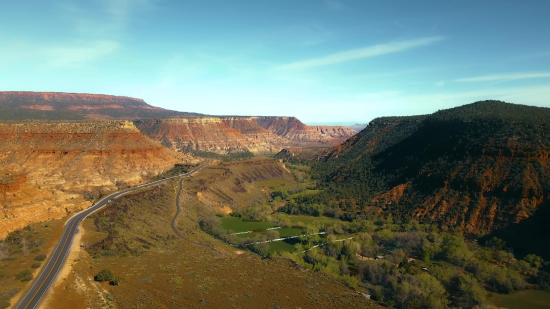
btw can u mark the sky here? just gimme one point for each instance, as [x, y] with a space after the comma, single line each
[323, 61]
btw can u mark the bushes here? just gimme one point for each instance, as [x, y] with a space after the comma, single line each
[40, 257]
[24, 275]
[104, 275]
[107, 275]
[6, 295]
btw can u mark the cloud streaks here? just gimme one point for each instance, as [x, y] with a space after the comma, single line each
[360, 53]
[504, 77]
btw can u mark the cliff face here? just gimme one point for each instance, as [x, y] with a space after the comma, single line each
[18, 106]
[294, 130]
[202, 134]
[237, 134]
[48, 170]
[481, 167]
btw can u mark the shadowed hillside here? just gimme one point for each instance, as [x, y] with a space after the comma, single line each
[481, 166]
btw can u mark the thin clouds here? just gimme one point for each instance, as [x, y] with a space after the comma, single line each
[334, 5]
[504, 77]
[360, 53]
[78, 55]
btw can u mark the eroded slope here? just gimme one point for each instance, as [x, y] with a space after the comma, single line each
[51, 169]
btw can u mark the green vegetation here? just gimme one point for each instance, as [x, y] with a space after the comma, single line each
[239, 225]
[40, 257]
[235, 156]
[404, 265]
[528, 299]
[6, 295]
[178, 169]
[485, 153]
[104, 275]
[113, 223]
[24, 275]
[19, 255]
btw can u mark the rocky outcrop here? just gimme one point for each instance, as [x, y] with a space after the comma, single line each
[20, 105]
[51, 169]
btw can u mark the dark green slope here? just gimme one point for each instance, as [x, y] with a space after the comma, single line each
[481, 166]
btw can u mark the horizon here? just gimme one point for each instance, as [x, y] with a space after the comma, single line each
[320, 61]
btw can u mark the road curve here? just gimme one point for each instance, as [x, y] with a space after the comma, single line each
[177, 232]
[41, 284]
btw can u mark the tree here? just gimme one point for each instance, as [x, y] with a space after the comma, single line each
[272, 234]
[495, 243]
[104, 275]
[535, 260]
[469, 292]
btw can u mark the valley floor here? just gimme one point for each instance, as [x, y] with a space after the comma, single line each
[160, 270]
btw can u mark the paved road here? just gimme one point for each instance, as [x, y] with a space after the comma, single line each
[177, 232]
[43, 281]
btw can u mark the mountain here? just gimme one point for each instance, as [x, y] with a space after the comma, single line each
[50, 169]
[358, 126]
[59, 106]
[293, 129]
[226, 135]
[481, 167]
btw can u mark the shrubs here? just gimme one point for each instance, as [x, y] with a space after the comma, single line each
[104, 275]
[40, 257]
[24, 275]
[107, 275]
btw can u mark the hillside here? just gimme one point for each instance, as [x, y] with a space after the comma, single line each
[59, 106]
[481, 166]
[50, 169]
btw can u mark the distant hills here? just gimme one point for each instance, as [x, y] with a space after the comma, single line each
[59, 106]
[181, 131]
[481, 167]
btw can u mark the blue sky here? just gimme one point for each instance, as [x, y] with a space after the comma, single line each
[324, 61]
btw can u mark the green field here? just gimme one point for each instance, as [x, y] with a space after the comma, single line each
[300, 218]
[239, 225]
[528, 299]
[279, 246]
[305, 193]
[289, 231]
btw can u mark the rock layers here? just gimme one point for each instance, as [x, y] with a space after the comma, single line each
[226, 135]
[50, 169]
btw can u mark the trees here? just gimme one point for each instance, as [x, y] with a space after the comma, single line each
[469, 292]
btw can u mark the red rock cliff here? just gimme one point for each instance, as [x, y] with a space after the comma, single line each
[62, 167]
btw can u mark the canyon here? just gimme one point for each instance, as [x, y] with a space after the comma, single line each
[59, 152]
[227, 135]
[51, 169]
